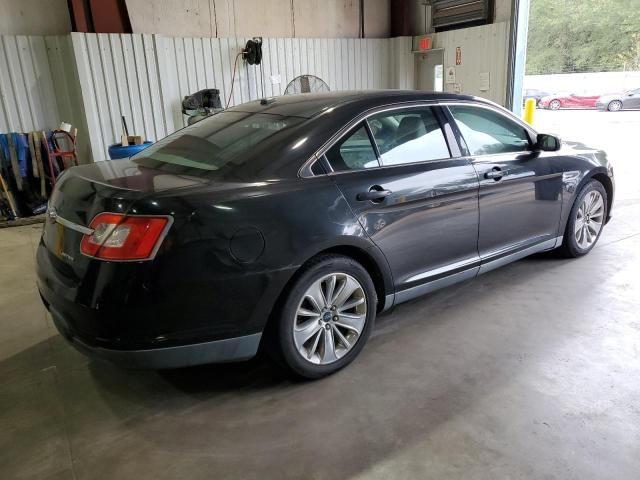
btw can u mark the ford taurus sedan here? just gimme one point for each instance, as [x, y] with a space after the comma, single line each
[288, 224]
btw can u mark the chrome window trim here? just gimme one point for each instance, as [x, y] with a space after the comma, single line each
[305, 169]
[354, 127]
[521, 123]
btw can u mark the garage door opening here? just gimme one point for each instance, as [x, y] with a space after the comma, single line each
[584, 74]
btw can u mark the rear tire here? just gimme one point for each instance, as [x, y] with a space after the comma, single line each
[555, 104]
[586, 220]
[326, 318]
[614, 106]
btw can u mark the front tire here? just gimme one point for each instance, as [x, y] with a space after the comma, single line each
[555, 104]
[327, 316]
[586, 220]
[614, 106]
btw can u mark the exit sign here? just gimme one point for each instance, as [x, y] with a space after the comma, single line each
[425, 43]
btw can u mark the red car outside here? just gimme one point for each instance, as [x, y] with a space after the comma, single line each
[556, 102]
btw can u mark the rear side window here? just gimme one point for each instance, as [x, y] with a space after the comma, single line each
[487, 132]
[353, 152]
[409, 135]
[221, 141]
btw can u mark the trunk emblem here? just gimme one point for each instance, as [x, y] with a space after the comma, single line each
[66, 256]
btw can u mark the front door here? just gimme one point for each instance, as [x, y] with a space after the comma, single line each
[632, 100]
[418, 205]
[520, 190]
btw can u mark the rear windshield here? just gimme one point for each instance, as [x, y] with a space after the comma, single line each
[221, 141]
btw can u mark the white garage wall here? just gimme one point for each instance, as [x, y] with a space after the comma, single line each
[584, 83]
[484, 49]
[144, 77]
[38, 85]
[90, 80]
[118, 76]
[27, 91]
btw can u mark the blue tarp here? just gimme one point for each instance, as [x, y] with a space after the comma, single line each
[22, 151]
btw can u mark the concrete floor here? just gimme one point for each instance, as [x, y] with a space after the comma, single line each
[530, 371]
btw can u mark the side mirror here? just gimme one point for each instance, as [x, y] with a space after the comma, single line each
[548, 143]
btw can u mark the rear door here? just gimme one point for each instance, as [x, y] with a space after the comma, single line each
[416, 202]
[520, 190]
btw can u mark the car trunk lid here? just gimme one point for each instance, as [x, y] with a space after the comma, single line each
[84, 192]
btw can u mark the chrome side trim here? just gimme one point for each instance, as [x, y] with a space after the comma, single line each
[445, 269]
[419, 290]
[559, 241]
[73, 226]
[389, 301]
[512, 257]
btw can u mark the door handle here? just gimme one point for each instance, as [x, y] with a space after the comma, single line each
[496, 174]
[375, 194]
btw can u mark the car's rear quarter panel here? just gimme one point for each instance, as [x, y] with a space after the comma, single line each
[199, 286]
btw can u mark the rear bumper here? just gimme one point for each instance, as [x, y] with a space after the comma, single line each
[164, 314]
[218, 351]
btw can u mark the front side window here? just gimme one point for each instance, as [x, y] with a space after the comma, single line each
[408, 135]
[353, 152]
[487, 132]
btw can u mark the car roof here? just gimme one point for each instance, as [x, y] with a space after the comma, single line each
[309, 105]
[322, 116]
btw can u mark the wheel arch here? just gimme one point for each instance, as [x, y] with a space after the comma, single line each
[381, 282]
[606, 182]
[371, 258]
[601, 176]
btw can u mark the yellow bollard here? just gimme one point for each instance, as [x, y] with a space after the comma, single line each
[529, 110]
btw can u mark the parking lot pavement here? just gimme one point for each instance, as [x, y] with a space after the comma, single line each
[617, 133]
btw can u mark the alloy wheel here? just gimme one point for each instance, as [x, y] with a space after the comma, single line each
[589, 219]
[555, 104]
[330, 318]
[615, 106]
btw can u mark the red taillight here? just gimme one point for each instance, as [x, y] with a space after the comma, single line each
[122, 237]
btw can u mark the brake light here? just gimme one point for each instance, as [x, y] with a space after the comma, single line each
[123, 237]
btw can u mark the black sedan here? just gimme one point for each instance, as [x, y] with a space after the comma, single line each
[289, 223]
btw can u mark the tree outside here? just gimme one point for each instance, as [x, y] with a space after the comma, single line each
[569, 36]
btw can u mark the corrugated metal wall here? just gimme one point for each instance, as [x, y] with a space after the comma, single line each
[483, 49]
[33, 93]
[90, 80]
[144, 77]
[402, 66]
[119, 75]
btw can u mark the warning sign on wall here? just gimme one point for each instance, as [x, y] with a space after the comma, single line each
[450, 76]
[458, 56]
